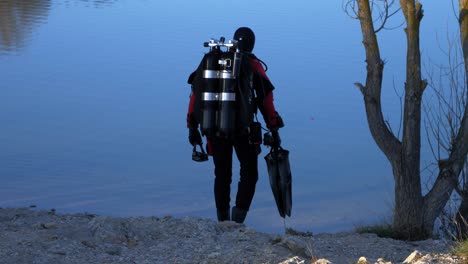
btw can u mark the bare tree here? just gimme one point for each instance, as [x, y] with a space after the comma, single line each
[415, 213]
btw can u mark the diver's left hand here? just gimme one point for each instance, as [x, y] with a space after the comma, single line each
[276, 138]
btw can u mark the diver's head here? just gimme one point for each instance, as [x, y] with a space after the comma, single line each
[246, 38]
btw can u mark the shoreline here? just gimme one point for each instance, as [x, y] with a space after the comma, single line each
[29, 235]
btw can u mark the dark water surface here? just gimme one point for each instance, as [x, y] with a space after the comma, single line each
[93, 98]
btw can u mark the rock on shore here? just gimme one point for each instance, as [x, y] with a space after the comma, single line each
[37, 236]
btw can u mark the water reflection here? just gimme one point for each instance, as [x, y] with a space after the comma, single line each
[18, 20]
[100, 2]
[91, 3]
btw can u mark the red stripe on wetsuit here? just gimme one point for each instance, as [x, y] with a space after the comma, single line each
[191, 108]
[268, 106]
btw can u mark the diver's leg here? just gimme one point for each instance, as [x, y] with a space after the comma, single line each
[222, 158]
[248, 159]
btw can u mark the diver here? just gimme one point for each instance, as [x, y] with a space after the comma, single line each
[227, 89]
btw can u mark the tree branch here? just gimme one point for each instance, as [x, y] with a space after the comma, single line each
[382, 135]
[404, 7]
[361, 87]
[460, 144]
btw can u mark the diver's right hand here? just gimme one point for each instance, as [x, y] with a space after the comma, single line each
[195, 137]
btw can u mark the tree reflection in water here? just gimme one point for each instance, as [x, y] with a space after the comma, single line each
[18, 19]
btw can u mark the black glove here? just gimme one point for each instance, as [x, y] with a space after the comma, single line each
[276, 122]
[194, 137]
[276, 138]
[272, 139]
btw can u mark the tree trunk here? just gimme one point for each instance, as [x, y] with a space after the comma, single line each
[408, 219]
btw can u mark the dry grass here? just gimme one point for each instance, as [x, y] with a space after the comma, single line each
[461, 250]
[381, 230]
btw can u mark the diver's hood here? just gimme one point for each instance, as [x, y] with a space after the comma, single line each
[246, 38]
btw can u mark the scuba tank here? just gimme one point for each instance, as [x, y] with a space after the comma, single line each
[227, 102]
[220, 79]
[210, 93]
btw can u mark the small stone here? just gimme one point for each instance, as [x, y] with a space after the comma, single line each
[362, 260]
[293, 260]
[59, 252]
[322, 261]
[49, 225]
[382, 261]
[214, 255]
[413, 257]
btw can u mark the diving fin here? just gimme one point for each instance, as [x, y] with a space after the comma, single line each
[279, 171]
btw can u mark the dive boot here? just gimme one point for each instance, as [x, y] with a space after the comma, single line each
[223, 215]
[238, 215]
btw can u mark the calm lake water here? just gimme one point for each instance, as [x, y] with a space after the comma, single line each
[93, 100]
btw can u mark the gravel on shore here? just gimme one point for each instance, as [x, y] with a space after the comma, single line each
[38, 236]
